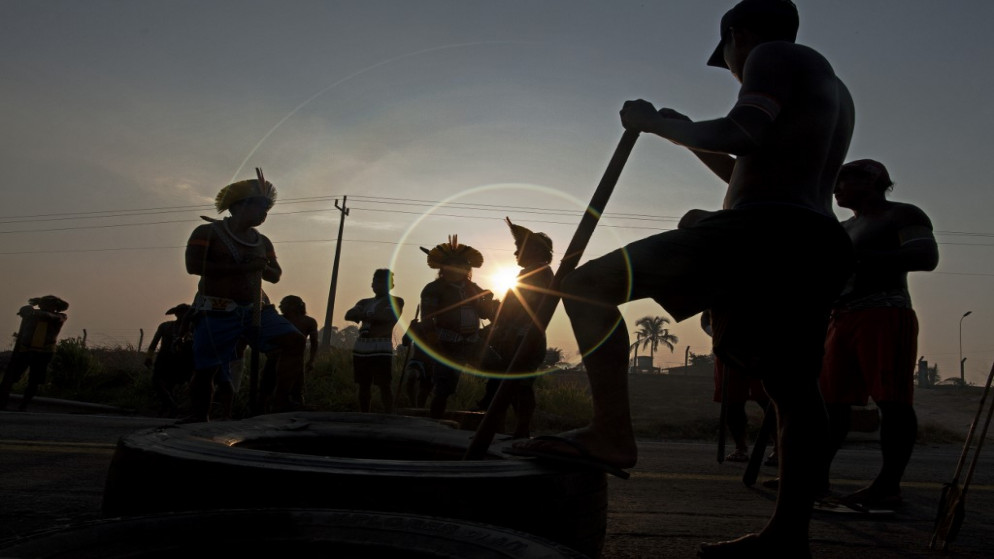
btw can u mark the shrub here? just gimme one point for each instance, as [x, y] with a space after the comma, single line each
[72, 367]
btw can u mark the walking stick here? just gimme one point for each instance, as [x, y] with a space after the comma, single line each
[256, 328]
[766, 431]
[723, 413]
[951, 511]
[488, 425]
[407, 359]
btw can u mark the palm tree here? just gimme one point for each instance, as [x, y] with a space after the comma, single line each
[651, 333]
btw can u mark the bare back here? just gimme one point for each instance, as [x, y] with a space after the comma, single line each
[797, 159]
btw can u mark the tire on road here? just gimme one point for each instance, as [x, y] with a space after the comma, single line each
[285, 533]
[352, 461]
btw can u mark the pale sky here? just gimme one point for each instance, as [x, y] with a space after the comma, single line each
[122, 119]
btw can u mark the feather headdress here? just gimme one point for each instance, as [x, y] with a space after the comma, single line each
[243, 190]
[50, 300]
[453, 253]
[524, 235]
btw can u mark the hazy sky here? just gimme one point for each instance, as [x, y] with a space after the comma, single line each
[122, 119]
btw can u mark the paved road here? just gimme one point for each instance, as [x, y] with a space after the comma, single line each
[54, 466]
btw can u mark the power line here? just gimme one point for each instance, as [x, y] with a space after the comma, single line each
[102, 214]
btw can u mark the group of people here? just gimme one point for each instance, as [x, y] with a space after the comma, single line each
[233, 258]
[448, 337]
[773, 261]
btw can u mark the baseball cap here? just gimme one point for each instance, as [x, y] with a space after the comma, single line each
[775, 20]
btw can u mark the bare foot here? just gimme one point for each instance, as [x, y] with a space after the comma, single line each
[586, 443]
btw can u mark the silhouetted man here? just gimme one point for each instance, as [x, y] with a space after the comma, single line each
[372, 354]
[873, 335]
[232, 258]
[774, 250]
[35, 346]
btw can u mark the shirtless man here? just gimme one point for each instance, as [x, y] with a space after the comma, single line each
[174, 363]
[293, 309]
[515, 316]
[232, 258]
[372, 354]
[789, 133]
[873, 335]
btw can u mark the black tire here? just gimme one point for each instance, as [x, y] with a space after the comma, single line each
[285, 533]
[354, 461]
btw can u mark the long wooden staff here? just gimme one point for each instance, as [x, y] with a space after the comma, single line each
[256, 327]
[488, 425]
[949, 517]
[407, 360]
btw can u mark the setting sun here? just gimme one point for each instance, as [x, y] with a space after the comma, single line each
[503, 279]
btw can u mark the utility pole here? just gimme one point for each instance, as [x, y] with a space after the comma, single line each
[962, 360]
[326, 338]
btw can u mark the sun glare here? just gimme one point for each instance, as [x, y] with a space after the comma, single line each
[503, 279]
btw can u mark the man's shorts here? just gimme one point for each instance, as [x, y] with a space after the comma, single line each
[372, 369]
[217, 333]
[870, 353]
[769, 273]
[739, 388]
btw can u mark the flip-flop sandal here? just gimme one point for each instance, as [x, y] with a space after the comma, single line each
[583, 459]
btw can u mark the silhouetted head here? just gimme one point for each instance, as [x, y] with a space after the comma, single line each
[179, 310]
[382, 281]
[861, 181]
[49, 303]
[292, 303]
[532, 247]
[767, 20]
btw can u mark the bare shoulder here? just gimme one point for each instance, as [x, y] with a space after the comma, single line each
[909, 215]
[202, 231]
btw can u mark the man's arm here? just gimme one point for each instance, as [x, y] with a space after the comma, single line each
[199, 263]
[766, 84]
[312, 338]
[357, 313]
[272, 271]
[917, 251]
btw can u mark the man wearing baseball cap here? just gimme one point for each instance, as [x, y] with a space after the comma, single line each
[774, 249]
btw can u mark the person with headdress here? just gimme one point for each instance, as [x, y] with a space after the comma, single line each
[173, 365]
[34, 347]
[515, 316]
[372, 353]
[452, 307]
[232, 259]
